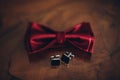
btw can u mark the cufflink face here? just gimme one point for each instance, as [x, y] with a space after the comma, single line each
[67, 57]
[55, 60]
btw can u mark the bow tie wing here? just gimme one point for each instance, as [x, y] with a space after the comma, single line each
[82, 37]
[38, 38]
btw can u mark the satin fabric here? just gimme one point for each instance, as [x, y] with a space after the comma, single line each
[39, 38]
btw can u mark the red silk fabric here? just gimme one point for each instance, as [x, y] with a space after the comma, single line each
[39, 38]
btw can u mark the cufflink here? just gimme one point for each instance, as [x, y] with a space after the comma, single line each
[55, 60]
[67, 57]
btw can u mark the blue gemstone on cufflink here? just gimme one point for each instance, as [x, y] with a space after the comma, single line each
[67, 57]
[55, 60]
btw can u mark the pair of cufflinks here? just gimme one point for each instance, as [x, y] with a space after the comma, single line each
[66, 57]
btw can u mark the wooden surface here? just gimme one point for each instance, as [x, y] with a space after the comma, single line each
[60, 15]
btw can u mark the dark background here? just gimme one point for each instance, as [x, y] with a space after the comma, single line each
[103, 16]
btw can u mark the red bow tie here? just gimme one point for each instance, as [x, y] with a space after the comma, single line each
[39, 38]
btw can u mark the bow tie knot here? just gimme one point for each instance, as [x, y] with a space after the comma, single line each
[60, 37]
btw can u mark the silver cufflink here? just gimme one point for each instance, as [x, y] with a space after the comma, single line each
[55, 60]
[67, 57]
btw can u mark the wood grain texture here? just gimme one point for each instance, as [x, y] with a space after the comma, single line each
[60, 15]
